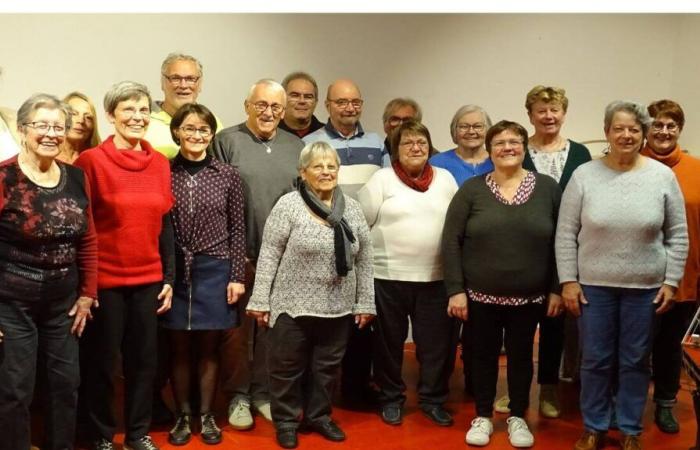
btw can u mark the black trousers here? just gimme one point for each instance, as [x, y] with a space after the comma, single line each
[38, 329]
[434, 332]
[125, 322]
[667, 353]
[551, 347]
[243, 371]
[304, 357]
[488, 325]
[357, 362]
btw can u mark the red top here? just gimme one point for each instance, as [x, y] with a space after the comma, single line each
[130, 193]
[687, 170]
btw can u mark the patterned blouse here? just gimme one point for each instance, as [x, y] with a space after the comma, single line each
[522, 195]
[550, 163]
[48, 244]
[208, 214]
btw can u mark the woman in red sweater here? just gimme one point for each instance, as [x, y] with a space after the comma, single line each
[131, 198]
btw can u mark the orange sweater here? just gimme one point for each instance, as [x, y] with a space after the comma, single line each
[687, 170]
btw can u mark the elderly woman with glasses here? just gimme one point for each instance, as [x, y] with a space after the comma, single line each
[131, 197]
[621, 246]
[498, 252]
[405, 207]
[666, 355]
[470, 158]
[313, 279]
[210, 264]
[48, 275]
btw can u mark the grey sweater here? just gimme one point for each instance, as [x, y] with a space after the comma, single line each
[296, 269]
[266, 175]
[622, 229]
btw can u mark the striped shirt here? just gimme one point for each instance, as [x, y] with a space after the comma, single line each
[360, 155]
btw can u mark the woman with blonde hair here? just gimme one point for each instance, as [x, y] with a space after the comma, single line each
[83, 133]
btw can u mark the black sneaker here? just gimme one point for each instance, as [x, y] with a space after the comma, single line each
[664, 419]
[143, 443]
[181, 433]
[211, 434]
[102, 444]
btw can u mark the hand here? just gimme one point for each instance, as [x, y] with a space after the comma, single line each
[81, 311]
[234, 291]
[572, 294]
[362, 320]
[665, 296]
[457, 306]
[1, 336]
[261, 317]
[554, 305]
[166, 298]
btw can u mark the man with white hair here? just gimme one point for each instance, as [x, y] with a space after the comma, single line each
[266, 158]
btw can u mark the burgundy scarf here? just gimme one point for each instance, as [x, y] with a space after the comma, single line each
[420, 184]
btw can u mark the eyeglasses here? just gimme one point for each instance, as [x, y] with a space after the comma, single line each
[502, 144]
[477, 127]
[176, 80]
[344, 102]
[261, 107]
[190, 131]
[43, 128]
[670, 126]
[318, 168]
[422, 143]
[296, 96]
[395, 121]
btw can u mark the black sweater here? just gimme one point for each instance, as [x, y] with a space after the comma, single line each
[499, 249]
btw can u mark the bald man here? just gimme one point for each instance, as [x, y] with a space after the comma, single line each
[360, 156]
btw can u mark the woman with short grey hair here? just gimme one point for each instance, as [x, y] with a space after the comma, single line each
[131, 196]
[313, 280]
[621, 246]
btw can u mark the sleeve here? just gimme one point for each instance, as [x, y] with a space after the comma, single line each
[371, 197]
[274, 243]
[219, 149]
[675, 233]
[555, 286]
[86, 251]
[364, 269]
[568, 228]
[236, 229]
[166, 248]
[453, 240]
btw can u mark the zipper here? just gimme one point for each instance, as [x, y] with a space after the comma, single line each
[189, 310]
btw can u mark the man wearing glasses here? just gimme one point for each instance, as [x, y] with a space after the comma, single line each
[360, 155]
[181, 82]
[360, 152]
[302, 98]
[266, 158]
[396, 112]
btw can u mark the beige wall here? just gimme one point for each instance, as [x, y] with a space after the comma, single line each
[443, 61]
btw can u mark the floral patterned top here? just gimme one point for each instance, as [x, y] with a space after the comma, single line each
[48, 244]
[525, 190]
[550, 163]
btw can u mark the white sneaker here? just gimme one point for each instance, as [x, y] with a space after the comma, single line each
[262, 407]
[239, 415]
[518, 433]
[480, 432]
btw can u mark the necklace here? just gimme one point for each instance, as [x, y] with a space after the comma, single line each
[48, 178]
[268, 149]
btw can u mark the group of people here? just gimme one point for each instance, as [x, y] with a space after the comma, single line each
[262, 258]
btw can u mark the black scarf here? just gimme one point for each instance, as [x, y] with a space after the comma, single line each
[342, 234]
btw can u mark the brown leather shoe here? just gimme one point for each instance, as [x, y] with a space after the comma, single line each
[631, 442]
[590, 440]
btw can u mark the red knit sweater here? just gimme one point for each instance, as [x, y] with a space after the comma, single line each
[130, 192]
[687, 170]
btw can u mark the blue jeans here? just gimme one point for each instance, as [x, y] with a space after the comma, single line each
[615, 329]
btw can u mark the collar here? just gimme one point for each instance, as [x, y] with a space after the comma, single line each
[178, 163]
[670, 159]
[330, 129]
[133, 160]
[158, 113]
